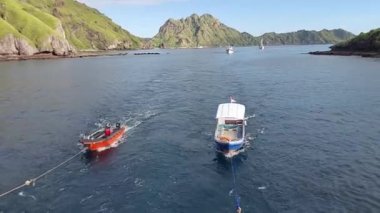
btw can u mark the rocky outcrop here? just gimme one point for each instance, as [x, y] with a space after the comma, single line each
[55, 44]
[119, 45]
[10, 45]
[58, 27]
[60, 46]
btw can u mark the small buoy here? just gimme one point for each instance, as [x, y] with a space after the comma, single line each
[30, 182]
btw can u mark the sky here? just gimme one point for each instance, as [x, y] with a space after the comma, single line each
[143, 18]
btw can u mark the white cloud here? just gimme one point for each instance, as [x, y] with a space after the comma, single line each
[128, 2]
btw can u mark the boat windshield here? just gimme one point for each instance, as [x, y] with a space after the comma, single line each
[232, 132]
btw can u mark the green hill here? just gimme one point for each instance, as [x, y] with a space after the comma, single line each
[364, 42]
[307, 37]
[206, 30]
[58, 26]
[196, 31]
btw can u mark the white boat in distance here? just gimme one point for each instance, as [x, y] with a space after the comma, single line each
[230, 50]
[230, 128]
[261, 47]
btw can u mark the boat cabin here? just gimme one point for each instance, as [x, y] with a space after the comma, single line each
[230, 122]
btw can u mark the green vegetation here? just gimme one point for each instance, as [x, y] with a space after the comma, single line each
[59, 25]
[48, 19]
[197, 31]
[41, 22]
[87, 28]
[205, 30]
[6, 28]
[25, 20]
[307, 37]
[369, 42]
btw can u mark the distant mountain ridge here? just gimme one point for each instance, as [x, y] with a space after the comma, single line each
[206, 30]
[307, 37]
[60, 27]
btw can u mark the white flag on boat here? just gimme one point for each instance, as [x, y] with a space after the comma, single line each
[232, 99]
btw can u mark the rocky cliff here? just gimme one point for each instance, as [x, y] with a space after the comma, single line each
[60, 27]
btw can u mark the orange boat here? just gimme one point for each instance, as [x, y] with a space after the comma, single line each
[99, 140]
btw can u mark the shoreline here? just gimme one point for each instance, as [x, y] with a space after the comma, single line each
[85, 54]
[46, 56]
[347, 53]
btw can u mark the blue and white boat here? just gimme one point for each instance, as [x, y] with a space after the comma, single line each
[230, 128]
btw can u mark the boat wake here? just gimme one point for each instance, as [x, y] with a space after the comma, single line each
[261, 187]
[250, 116]
[86, 198]
[234, 153]
[139, 182]
[23, 194]
[249, 139]
[247, 145]
[131, 120]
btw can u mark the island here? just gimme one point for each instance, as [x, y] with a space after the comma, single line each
[365, 45]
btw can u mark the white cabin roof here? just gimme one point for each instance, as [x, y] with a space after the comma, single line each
[231, 110]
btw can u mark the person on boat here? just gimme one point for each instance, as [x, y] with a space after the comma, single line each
[107, 130]
[117, 125]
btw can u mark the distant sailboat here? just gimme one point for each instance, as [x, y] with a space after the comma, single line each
[261, 44]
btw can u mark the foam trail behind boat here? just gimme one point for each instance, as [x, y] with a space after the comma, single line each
[250, 116]
[247, 144]
[136, 119]
[132, 120]
[23, 194]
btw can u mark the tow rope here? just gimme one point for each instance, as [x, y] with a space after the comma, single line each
[32, 181]
[234, 189]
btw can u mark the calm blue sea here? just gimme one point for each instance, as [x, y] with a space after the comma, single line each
[313, 136]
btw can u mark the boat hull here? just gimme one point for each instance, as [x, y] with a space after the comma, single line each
[229, 146]
[102, 144]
